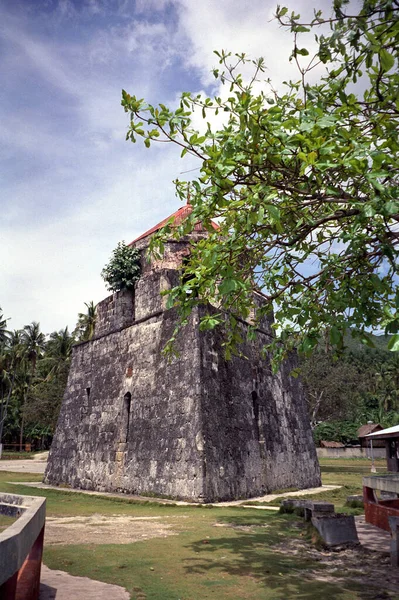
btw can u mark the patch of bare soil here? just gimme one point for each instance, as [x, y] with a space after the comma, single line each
[369, 568]
[104, 529]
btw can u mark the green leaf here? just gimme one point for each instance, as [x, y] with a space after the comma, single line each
[308, 344]
[391, 208]
[295, 372]
[369, 210]
[387, 60]
[366, 340]
[227, 286]
[393, 344]
[335, 336]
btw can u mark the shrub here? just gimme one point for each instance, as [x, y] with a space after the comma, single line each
[123, 269]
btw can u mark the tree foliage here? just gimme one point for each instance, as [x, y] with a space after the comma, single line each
[85, 326]
[335, 388]
[33, 376]
[123, 269]
[345, 392]
[303, 182]
[337, 431]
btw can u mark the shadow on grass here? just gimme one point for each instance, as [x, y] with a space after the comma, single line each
[251, 554]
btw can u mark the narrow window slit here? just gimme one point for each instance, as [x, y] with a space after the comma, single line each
[127, 399]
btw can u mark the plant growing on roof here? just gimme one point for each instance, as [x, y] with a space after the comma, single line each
[123, 269]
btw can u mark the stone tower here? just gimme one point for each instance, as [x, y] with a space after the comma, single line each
[195, 427]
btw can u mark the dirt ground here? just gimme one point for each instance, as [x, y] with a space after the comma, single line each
[366, 567]
[104, 529]
[371, 569]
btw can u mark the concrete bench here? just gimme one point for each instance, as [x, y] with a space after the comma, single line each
[311, 508]
[334, 529]
[21, 547]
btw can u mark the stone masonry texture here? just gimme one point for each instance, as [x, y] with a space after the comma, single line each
[195, 426]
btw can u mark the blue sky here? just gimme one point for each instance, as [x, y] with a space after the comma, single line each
[71, 187]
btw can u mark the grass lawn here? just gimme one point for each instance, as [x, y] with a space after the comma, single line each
[16, 455]
[5, 522]
[223, 553]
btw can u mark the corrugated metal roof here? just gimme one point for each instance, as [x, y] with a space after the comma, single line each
[177, 218]
[385, 432]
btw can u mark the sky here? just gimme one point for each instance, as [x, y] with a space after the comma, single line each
[71, 187]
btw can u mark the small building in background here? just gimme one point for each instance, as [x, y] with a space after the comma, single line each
[390, 439]
[364, 431]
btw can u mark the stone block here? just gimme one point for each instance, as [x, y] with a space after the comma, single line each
[320, 509]
[337, 530]
[355, 498]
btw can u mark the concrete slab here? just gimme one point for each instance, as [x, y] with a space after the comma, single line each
[372, 537]
[271, 497]
[386, 483]
[275, 508]
[23, 466]
[337, 530]
[58, 585]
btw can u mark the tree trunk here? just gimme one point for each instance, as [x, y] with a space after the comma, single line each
[3, 411]
[21, 431]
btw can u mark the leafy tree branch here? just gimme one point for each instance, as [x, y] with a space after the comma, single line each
[303, 182]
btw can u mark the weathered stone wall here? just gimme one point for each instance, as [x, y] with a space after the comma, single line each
[159, 451]
[257, 435]
[196, 426]
[174, 253]
[114, 313]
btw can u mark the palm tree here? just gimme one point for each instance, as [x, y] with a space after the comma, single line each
[84, 329]
[10, 360]
[34, 342]
[58, 351]
[4, 333]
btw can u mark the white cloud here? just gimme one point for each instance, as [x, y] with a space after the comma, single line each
[51, 268]
[239, 27]
[72, 187]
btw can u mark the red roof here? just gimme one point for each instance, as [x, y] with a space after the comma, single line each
[178, 217]
[325, 444]
[367, 429]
